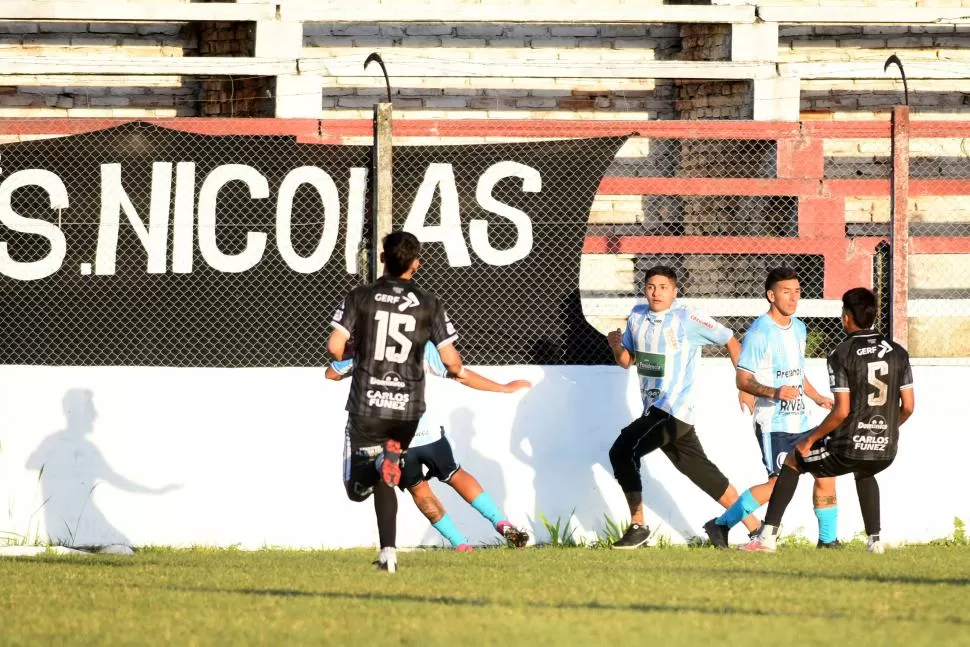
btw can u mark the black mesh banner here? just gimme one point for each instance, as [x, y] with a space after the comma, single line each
[146, 246]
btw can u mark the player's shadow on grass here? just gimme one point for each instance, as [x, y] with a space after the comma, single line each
[70, 466]
[591, 605]
[565, 468]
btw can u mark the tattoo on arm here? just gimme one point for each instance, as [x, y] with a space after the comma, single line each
[754, 387]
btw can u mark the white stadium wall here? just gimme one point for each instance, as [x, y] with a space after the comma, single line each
[252, 457]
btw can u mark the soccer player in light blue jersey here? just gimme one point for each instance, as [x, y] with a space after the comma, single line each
[430, 456]
[664, 344]
[772, 368]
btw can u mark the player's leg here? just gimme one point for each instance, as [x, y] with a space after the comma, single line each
[645, 434]
[752, 498]
[688, 456]
[827, 512]
[468, 487]
[413, 480]
[434, 511]
[397, 436]
[868, 490]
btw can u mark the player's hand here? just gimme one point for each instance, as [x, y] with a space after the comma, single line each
[746, 400]
[788, 393]
[825, 403]
[615, 338]
[804, 447]
[517, 385]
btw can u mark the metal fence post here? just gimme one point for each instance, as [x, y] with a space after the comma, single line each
[383, 185]
[899, 226]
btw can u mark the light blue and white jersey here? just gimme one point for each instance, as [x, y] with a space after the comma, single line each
[776, 357]
[429, 429]
[666, 347]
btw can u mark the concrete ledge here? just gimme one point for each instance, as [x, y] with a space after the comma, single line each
[149, 65]
[863, 15]
[135, 12]
[402, 65]
[874, 70]
[592, 13]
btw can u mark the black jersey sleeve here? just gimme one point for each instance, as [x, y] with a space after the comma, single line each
[838, 373]
[907, 380]
[344, 318]
[443, 331]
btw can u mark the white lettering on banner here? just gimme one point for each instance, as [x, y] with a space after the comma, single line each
[33, 270]
[386, 400]
[440, 178]
[183, 235]
[208, 195]
[330, 201]
[115, 200]
[193, 221]
[355, 218]
[478, 229]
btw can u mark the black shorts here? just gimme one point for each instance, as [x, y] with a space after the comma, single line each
[432, 461]
[657, 429]
[821, 462]
[363, 443]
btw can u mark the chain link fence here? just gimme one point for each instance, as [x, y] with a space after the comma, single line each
[230, 242]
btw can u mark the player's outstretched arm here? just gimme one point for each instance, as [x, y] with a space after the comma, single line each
[815, 396]
[452, 360]
[907, 404]
[479, 382]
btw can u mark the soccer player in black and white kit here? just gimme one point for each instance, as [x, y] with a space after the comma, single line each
[872, 383]
[390, 322]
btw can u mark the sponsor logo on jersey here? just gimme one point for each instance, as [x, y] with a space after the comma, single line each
[704, 322]
[792, 372]
[879, 351]
[875, 438]
[410, 301]
[670, 335]
[387, 400]
[651, 364]
[390, 380]
[386, 298]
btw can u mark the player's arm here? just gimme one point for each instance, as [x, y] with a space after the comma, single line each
[479, 382]
[835, 417]
[343, 328]
[907, 403]
[443, 336]
[815, 396]
[907, 398]
[621, 344]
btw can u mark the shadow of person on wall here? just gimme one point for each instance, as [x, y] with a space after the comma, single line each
[70, 467]
[565, 469]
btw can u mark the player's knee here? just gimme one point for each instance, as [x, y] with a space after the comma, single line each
[357, 492]
[620, 454]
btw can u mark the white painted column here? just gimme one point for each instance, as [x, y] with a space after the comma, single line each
[297, 95]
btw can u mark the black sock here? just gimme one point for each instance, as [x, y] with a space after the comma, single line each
[781, 496]
[868, 490]
[385, 506]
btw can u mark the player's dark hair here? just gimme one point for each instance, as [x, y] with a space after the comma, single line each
[661, 270]
[779, 274]
[861, 304]
[400, 250]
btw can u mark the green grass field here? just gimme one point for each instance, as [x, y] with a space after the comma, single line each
[535, 596]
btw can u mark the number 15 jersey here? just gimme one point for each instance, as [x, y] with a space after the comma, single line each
[390, 321]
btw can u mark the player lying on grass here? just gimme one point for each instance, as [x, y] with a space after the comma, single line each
[873, 386]
[664, 343]
[430, 450]
[772, 368]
